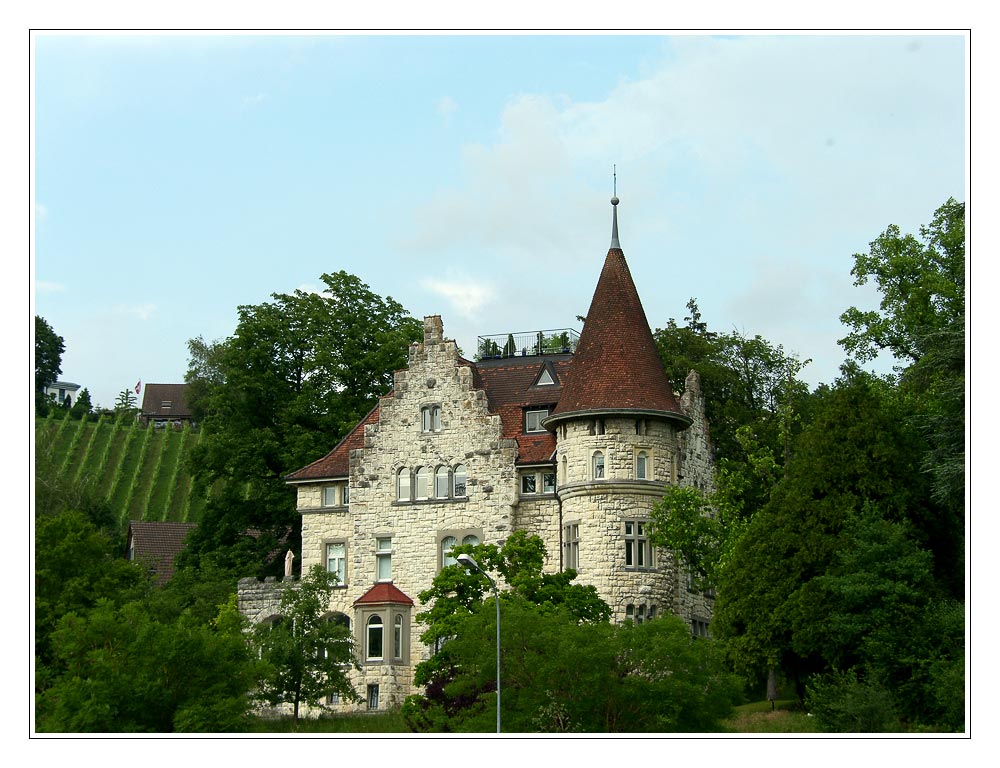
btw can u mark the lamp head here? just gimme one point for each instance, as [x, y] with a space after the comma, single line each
[468, 562]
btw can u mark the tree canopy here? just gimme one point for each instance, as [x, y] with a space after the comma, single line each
[49, 348]
[298, 373]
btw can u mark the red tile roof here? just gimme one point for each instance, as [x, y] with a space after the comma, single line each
[156, 545]
[337, 462]
[616, 366]
[383, 592]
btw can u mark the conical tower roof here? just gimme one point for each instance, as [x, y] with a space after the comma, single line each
[616, 367]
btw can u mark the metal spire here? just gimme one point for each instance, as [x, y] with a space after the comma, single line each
[614, 215]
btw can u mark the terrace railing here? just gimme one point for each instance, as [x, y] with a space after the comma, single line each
[525, 343]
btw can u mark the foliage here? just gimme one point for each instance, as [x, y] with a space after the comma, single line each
[127, 672]
[921, 321]
[125, 404]
[654, 677]
[49, 348]
[299, 371]
[306, 655]
[83, 406]
[843, 703]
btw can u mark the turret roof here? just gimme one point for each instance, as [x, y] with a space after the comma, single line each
[616, 366]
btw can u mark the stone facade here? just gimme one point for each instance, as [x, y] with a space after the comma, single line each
[465, 452]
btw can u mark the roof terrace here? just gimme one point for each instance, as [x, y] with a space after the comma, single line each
[525, 343]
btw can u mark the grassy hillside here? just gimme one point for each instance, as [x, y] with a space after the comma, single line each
[141, 472]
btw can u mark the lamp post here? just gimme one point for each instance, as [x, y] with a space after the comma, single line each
[471, 564]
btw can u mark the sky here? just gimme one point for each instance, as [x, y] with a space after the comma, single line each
[179, 176]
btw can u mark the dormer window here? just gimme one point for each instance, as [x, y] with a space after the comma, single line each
[545, 379]
[533, 420]
[430, 418]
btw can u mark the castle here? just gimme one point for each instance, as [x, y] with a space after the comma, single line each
[571, 439]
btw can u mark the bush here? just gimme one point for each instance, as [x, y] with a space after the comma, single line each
[843, 703]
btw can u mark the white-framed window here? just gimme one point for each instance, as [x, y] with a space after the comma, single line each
[533, 420]
[638, 552]
[571, 545]
[597, 465]
[430, 418]
[442, 483]
[537, 481]
[397, 636]
[447, 543]
[374, 637]
[458, 482]
[383, 558]
[639, 613]
[403, 484]
[642, 465]
[336, 561]
[450, 539]
[423, 484]
[335, 495]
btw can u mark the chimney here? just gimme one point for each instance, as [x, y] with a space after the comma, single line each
[433, 329]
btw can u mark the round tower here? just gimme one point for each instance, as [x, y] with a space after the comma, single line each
[616, 427]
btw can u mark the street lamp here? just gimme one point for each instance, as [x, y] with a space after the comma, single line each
[471, 564]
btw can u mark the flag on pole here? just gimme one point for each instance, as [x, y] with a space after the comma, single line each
[138, 384]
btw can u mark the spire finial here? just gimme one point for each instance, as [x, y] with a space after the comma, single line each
[614, 208]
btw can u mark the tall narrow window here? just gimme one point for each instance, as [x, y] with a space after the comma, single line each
[548, 482]
[430, 418]
[372, 695]
[638, 553]
[423, 489]
[441, 484]
[458, 481]
[571, 545]
[345, 495]
[642, 465]
[330, 496]
[565, 469]
[397, 637]
[403, 485]
[446, 546]
[383, 558]
[375, 636]
[336, 562]
[528, 483]
[598, 465]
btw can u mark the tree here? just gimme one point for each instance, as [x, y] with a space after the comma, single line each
[306, 654]
[298, 373]
[921, 321]
[125, 671]
[82, 407]
[125, 405]
[49, 348]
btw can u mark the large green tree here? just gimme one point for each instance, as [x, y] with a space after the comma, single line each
[921, 322]
[299, 371]
[49, 348]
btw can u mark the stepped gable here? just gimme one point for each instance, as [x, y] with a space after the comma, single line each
[510, 389]
[616, 366]
[337, 462]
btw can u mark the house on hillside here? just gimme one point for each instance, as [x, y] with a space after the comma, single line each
[62, 392]
[573, 439]
[156, 545]
[165, 404]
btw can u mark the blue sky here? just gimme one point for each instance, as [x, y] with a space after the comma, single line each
[179, 176]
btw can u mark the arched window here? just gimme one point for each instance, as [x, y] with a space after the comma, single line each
[470, 539]
[446, 545]
[374, 649]
[403, 484]
[430, 418]
[441, 484]
[458, 482]
[597, 465]
[642, 465]
[397, 637]
[565, 470]
[423, 489]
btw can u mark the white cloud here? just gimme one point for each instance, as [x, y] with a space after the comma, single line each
[467, 297]
[446, 107]
[43, 286]
[140, 311]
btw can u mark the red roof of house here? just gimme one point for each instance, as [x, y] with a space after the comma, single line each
[337, 462]
[156, 545]
[384, 592]
[616, 366]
